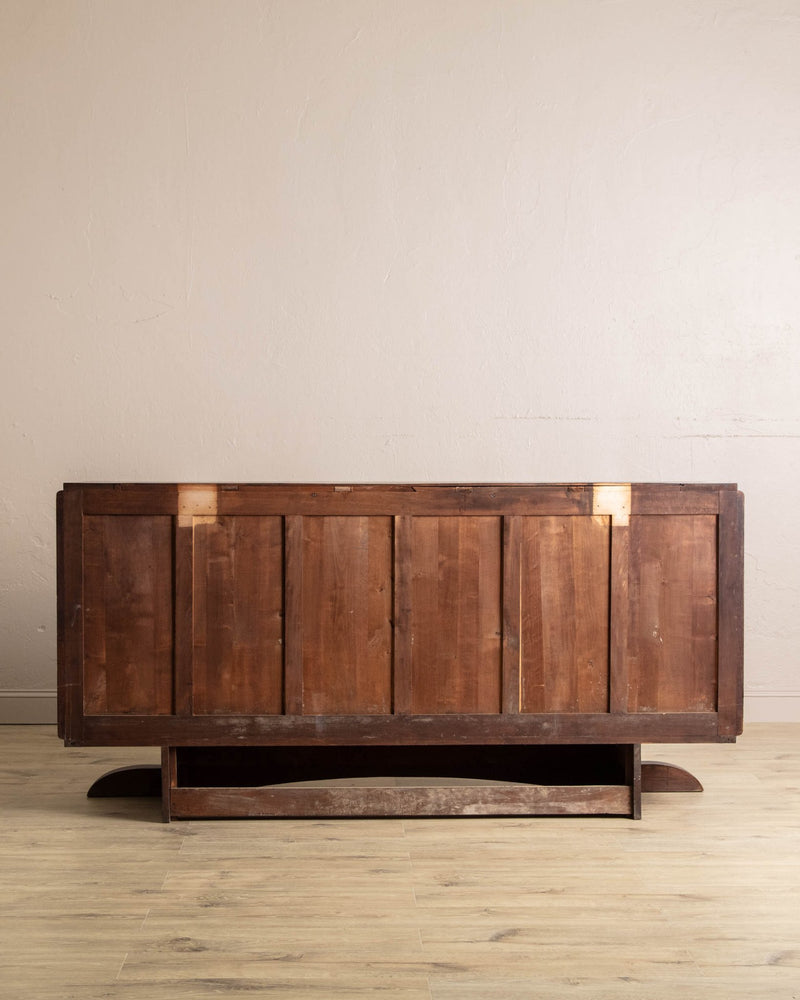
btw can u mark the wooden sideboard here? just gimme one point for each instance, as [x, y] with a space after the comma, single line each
[272, 637]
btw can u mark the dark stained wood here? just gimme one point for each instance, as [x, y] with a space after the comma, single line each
[238, 615]
[456, 616]
[668, 498]
[293, 626]
[61, 645]
[401, 673]
[184, 598]
[672, 630]
[347, 615]
[342, 730]
[432, 800]
[660, 777]
[564, 618]
[70, 616]
[365, 616]
[512, 615]
[137, 781]
[424, 500]
[619, 603]
[128, 615]
[731, 612]
[169, 780]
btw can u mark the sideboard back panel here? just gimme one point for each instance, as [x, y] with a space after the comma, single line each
[193, 614]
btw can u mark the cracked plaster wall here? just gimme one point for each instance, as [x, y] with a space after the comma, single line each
[374, 240]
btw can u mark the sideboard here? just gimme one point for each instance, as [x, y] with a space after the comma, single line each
[270, 638]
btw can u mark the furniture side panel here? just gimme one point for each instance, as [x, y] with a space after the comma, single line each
[731, 613]
[128, 615]
[564, 599]
[456, 615]
[672, 617]
[238, 615]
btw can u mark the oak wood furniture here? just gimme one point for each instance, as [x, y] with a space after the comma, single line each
[269, 637]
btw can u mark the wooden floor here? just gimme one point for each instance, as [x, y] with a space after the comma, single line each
[699, 900]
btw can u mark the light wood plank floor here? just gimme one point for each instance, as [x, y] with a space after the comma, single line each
[699, 900]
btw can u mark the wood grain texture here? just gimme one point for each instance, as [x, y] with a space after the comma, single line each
[456, 615]
[672, 625]
[564, 613]
[731, 612]
[238, 615]
[497, 800]
[347, 615]
[128, 615]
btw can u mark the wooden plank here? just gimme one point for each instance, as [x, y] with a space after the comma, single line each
[61, 657]
[456, 615]
[184, 611]
[672, 637]
[666, 498]
[660, 777]
[347, 730]
[547, 499]
[293, 625]
[401, 673]
[619, 602]
[128, 615]
[564, 620]
[435, 800]
[238, 633]
[512, 616]
[169, 780]
[71, 616]
[330, 500]
[347, 616]
[633, 768]
[731, 613]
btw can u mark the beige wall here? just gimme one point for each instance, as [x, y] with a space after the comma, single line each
[366, 240]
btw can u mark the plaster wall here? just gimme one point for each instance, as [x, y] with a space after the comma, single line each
[378, 240]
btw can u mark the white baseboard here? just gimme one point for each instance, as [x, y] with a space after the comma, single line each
[28, 708]
[38, 707]
[772, 706]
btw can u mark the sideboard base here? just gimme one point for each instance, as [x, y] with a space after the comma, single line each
[251, 782]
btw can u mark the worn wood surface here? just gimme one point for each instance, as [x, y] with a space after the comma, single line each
[238, 615]
[497, 800]
[456, 615]
[564, 612]
[101, 901]
[399, 613]
[128, 615]
[347, 616]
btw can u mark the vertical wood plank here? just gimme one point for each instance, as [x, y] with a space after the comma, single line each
[672, 638]
[401, 672]
[512, 611]
[619, 612]
[564, 618]
[634, 776]
[184, 627]
[71, 616]
[731, 612]
[293, 626]
[238, 633]
[128, 615]
[456, 615]
[169, 780]
[347, 612]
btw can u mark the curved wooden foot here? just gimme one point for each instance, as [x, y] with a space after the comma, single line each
[139, 781]
[660, 777]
